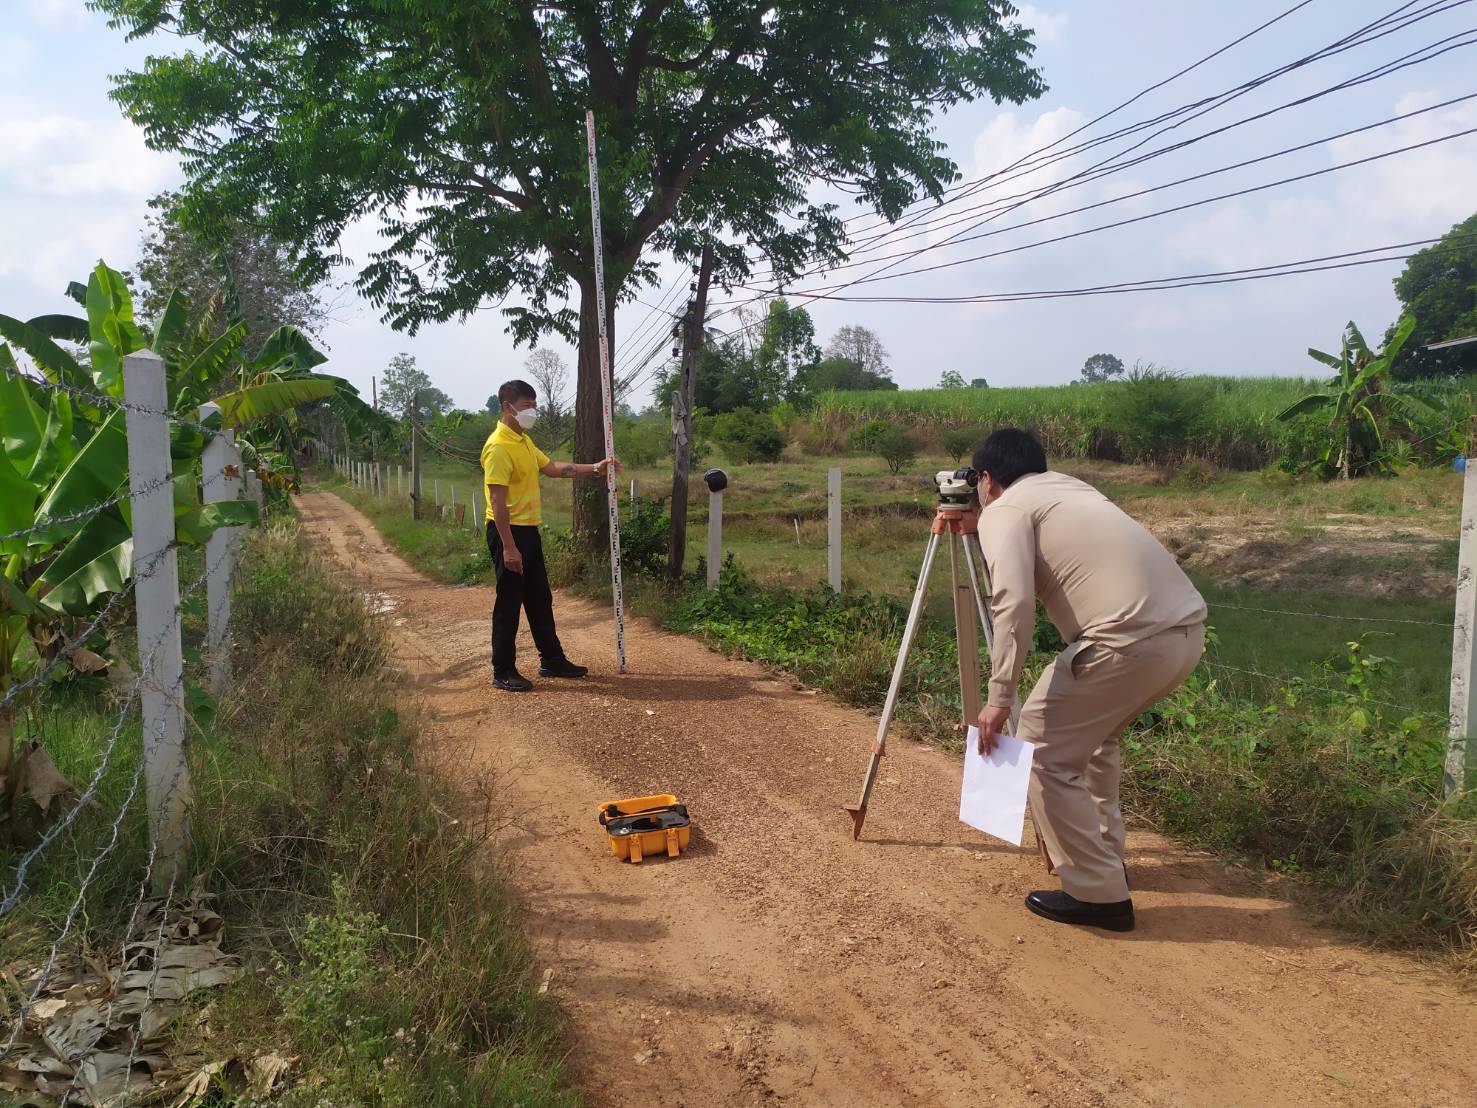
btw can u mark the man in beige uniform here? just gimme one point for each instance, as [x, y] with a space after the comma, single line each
[1135, 628]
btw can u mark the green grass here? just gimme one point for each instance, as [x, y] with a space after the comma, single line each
[379, 943]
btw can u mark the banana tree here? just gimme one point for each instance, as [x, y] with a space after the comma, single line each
[66, 451]
[1364, 409]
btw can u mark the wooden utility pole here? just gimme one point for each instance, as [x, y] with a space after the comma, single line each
[415, 456]
[374, 435]
[682, 402]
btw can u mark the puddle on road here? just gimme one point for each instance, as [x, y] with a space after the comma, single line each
[382, 604]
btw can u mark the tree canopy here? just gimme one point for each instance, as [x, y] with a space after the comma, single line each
[247, 276]
[1102, 367]
[458, 127]
[860, 345]
[1438, 289]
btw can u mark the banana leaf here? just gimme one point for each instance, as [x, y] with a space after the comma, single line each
[17, 506]
[291, 346]
[174, 324]
[195, 525]
[13, 598]
[205, 368]
[63, 328]
[110, 321]
[57, 447]
[257, 402]
[56, 362]
[96, 473]
[1309, 403]
[97, 561]
[22, 422]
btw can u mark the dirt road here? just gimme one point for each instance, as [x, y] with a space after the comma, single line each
[781, 963]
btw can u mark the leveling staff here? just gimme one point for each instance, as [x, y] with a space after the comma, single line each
[511, 464]
[1136, 629]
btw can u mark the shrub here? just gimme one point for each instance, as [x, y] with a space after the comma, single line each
[1156, 414]
[642, 442]
[897, 446]
[863, 438]
[749, 436]
[959, 441]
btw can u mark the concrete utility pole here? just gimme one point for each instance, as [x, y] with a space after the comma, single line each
[682, 402]
[1462, 725]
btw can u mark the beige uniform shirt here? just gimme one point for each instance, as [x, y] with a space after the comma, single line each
[1099, 573]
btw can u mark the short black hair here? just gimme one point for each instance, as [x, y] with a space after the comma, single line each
[1009, 454]
[513, 391]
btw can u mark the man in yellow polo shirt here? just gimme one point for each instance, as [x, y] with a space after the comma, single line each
[511, 465]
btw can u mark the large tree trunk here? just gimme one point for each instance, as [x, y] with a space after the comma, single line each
[591, 520]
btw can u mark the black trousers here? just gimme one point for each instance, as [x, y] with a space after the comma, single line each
[528, 591]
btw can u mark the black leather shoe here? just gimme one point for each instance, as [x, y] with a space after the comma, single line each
[562, 668]
[1065, 908]
[512, 681]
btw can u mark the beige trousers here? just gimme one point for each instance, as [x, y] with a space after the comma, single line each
[1081, 705]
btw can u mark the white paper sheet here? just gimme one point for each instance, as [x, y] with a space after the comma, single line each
[994, 795]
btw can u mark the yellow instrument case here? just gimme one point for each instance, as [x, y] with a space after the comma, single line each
[645, 825]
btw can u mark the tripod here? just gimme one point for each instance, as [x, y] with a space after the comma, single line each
[960, 527]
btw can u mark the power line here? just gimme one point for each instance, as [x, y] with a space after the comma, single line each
[969, 186]
[876, 276]
[1004, 209]
[1359, 37]
[1205, 106]
[1155, 284]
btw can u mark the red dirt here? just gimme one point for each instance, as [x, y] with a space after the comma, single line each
[780, 963]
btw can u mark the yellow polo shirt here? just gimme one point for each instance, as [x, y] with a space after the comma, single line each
[510, 458]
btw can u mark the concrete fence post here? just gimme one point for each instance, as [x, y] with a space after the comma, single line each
[157, 599]
[220, 481]
[715, 536]
[833, 528]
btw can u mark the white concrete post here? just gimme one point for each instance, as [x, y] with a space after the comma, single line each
[635, 491]
[453, 500]
[255, 491]
[1462, 724]
[220, 468]
[157, 599]
[715, 536]
[436, 492]
[833, 528]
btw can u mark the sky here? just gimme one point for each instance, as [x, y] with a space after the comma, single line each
[75, 178]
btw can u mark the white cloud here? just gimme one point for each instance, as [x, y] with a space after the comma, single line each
[67, 155]
[1049, 27]
[57, 13]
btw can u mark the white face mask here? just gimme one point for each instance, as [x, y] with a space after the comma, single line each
[527, 418]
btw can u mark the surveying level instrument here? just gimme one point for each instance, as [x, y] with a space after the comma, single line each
[956, 517]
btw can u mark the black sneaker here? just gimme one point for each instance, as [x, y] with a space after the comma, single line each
[562, 668]
[512, 681]
[1062, 907]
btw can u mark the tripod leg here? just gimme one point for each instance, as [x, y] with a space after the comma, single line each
[966, 635]
[910, 630]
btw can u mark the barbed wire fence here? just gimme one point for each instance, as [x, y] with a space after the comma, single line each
[154, 698]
